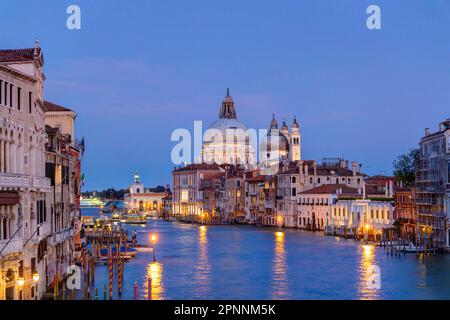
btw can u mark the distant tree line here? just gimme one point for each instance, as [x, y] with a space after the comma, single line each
[112, 193]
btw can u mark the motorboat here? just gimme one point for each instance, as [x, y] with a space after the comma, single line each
[134, 218]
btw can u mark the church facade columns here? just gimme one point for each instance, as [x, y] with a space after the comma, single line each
[7, 155]
[2, 156]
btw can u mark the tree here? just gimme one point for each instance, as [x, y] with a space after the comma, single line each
[404, 167]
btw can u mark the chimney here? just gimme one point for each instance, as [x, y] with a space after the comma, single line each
[391, 189]
[360, 168]
[354, 164]
[300, 167]
[346, 163]
[306, 169]
[315, 168]
[427, 132]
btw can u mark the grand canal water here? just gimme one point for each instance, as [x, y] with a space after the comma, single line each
[245, 262]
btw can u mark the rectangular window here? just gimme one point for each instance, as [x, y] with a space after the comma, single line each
[21, 268]
[50, 172]
[33, 265]
[19, 97]
[448, 172]
[5, 97]
[30, 101]
[11, 88]
[184, 195]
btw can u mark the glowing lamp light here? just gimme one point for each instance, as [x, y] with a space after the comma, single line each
[36, 277]
[20, 281]
[153, 238]
[367, 227]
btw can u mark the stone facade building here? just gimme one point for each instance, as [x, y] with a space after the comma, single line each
[38, 208]
[405, 212]
[433, 188]
[141, 199]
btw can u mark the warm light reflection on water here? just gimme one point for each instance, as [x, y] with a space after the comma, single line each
[366, 287]
[280, 288]
[155, 272]
[203, 267]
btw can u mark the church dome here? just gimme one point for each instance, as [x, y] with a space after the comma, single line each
[233, 145]
[224, 124]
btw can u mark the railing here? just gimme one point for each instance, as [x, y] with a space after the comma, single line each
[45, 230]
[17, 181]
[61, 236]
[14, 246]
[11, 180]
[43, 183]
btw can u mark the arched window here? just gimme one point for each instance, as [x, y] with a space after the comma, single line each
[293, 179]
[294, 192]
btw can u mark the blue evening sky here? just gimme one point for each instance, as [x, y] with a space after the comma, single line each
[139, 69]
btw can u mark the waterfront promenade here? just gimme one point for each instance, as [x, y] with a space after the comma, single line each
[246, 262]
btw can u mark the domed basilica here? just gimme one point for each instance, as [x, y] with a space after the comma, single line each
[228, 141]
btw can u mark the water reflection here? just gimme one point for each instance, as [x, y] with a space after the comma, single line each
[203, 268]
[155, 272]
[280, 288]
[422, 272]
[369, 274]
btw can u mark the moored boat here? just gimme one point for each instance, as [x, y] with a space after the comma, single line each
[134, 219]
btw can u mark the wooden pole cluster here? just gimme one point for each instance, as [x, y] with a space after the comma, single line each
[111, 273]
[120, 275]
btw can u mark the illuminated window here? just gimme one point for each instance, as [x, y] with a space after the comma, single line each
[184, 195]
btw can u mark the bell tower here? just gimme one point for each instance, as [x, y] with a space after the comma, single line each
[295, 141]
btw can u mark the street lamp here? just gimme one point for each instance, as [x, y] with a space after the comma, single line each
[20, 281]
[153, 239]
[36, 277]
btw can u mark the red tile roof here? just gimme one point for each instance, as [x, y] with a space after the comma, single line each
[213, 175]
[198, 166]
[332, 189]
[17, 55]
[51, 107]
[256, 179]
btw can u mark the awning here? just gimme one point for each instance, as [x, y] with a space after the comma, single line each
[9, 198]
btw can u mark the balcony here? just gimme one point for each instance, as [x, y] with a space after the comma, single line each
[14, 246]
[42, 184]
[17, 181]
[60, 236]
[10, 181]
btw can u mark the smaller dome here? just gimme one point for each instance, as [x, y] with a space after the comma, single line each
[284, 126]
[282, 142]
